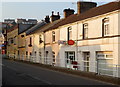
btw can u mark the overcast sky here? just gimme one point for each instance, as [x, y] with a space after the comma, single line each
[37, 8]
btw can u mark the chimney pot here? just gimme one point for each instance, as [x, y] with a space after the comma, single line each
[68, 12]
[55, 17]
[58, 13]
[52, 12]
[47, 19]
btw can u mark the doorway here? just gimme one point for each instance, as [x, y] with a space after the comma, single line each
[69, 58]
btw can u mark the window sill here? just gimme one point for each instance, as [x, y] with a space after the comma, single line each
[53, 42]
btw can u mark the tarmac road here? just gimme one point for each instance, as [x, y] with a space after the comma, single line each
[17, 73]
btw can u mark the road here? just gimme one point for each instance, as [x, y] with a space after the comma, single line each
[17, 73]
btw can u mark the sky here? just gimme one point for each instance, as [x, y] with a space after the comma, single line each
[37, 9]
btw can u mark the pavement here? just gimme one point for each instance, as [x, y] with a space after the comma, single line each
[17, 73]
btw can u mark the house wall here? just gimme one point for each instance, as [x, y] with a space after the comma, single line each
[37, 47]
[119, 43]
[21, 46]
[95, 42]
[12, 47]
[28, 49]
[52, 46]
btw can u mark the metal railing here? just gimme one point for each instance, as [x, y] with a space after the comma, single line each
[89, 66]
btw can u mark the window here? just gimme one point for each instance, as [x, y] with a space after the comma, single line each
[22, 35]
[70, 57]
[12, 40]
[40, 54]
[35, 53]
[30, 42]
[9, 42]
[53, 36]
[105, 64]
[85, 31]
[105, 26]
[86, 60]
[46, 57]
[26, 53]
[15, 40]
[40, 39]
[53, 57]
[69, 33]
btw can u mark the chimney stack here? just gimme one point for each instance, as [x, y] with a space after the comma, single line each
[83, 6]
[47, 19]
[54, 17]
[68, 12]
[21, 20]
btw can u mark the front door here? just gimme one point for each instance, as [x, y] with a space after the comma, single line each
[69, 58]
[86, 61]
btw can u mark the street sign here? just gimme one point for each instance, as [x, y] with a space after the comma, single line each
[61, 42]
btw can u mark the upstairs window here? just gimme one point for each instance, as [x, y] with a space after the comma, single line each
[12, 40]
[40, 39]
[85, 31]
[22, 36]
[15, 40]
[53, 36]
[9, 41]
[69, 33]
[105, 27]
[30, 42]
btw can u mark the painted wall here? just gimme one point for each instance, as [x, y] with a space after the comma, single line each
[12, 48]
[92, 45]
[52, 46]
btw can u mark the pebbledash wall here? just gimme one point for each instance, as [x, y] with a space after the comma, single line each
[90, 53]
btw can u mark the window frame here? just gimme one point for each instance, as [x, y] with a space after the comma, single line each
[85, 30]
[40, 39]
[105, 27]
[53, 54]
[15, 41]
[69, 33]
[53, 36]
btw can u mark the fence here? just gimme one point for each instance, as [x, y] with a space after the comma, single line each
[92, 66]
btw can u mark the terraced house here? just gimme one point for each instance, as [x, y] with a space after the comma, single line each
[23, 25]
[88, 40]
[12, 39]
[94, 35]
[33, 43]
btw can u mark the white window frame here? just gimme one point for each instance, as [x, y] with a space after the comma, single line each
[69, 33]
[85, 27]
[53, 36]
[106, 26]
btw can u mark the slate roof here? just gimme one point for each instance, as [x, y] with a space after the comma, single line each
[47, 26]
[13, 28]
[36, 27]
[96, 11]
[24, 27]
